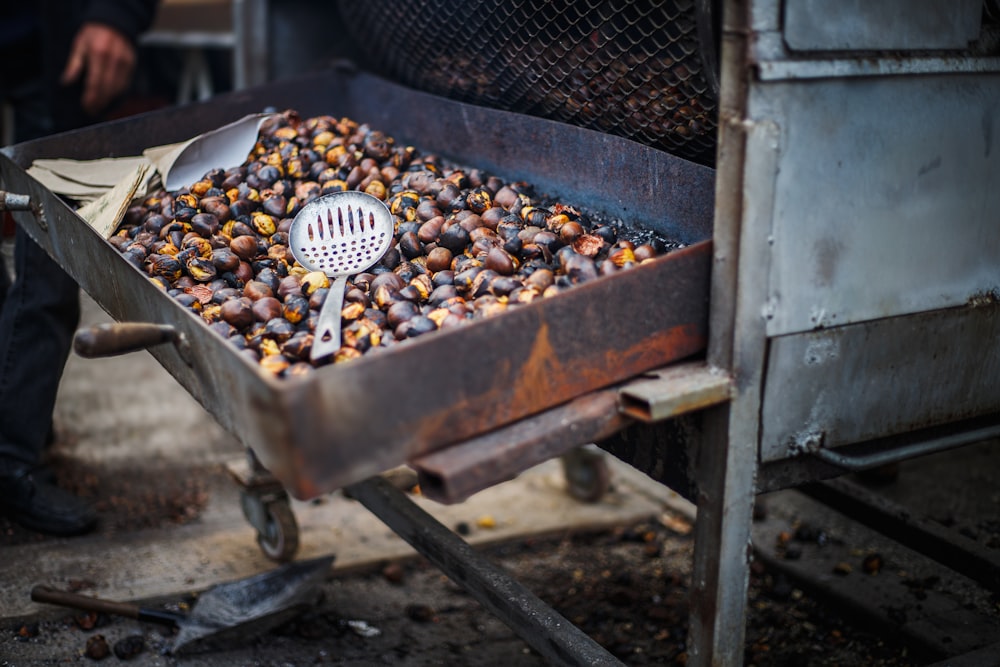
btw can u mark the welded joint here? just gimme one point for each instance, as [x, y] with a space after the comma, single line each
[808, 443]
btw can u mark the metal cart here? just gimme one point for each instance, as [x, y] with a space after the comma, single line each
[836, 307]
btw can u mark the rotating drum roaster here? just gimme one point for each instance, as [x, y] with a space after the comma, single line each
[836, 307]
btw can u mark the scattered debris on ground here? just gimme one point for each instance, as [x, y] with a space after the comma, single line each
[627, 588]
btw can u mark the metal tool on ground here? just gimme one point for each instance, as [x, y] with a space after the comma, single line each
[237, 609]
[340, 234]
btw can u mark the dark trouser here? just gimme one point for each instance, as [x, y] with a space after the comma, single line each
[40, 311]
[38, 318]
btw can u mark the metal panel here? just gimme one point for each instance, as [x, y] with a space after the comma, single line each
[827, 25]
[886, 200]
[865, 381]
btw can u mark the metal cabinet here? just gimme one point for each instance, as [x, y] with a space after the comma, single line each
[856, 276]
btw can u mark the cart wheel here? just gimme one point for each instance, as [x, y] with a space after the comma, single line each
[280, 539]
[587, 474]
[277, 529]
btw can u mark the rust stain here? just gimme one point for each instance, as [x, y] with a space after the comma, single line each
[539, 372]
[662, 347]
[461, 418]
[302, 487]
[543, 381]
[533, 386]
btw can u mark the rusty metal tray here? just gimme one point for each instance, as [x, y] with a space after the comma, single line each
[346, 422]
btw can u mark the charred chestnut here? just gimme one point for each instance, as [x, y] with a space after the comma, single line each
[467, 245]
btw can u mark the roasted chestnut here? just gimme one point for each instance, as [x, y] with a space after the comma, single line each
[467, 245]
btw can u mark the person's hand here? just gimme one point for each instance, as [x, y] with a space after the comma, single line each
[107, 58]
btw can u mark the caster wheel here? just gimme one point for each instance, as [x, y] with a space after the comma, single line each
[587, 474]
[277, 529]
[280, 539]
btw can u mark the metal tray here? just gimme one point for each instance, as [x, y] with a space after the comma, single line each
[349, 421]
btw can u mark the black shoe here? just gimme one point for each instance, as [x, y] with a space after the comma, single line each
[29, 497]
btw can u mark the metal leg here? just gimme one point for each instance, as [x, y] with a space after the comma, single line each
[250, 54]
[587, 474]
[727, 467]
[722, 550]
[555, 638]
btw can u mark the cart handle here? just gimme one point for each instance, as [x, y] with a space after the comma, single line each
[112, 339]
[10, 201]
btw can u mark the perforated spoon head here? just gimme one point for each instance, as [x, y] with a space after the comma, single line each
[340, 234]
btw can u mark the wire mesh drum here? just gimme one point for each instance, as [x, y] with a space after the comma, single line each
[645, 70]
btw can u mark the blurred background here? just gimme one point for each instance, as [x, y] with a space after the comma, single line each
[200, 48]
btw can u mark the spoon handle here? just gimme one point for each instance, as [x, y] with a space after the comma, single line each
[326, 339]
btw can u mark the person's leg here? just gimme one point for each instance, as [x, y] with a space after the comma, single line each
[4, 274]
[37, 322]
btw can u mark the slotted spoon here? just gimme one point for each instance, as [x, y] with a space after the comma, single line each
[340, 234]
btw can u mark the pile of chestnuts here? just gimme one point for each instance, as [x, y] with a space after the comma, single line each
[466, 245]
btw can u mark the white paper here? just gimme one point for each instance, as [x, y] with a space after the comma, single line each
[102, 173]
[109, 185]
[106, 213]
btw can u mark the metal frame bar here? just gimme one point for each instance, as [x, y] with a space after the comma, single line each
[858, 462]
[839, 68]
[453, 474]
[674, 390]
[555, 638]
[727, 460]
[790, 472]
[948, 547]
